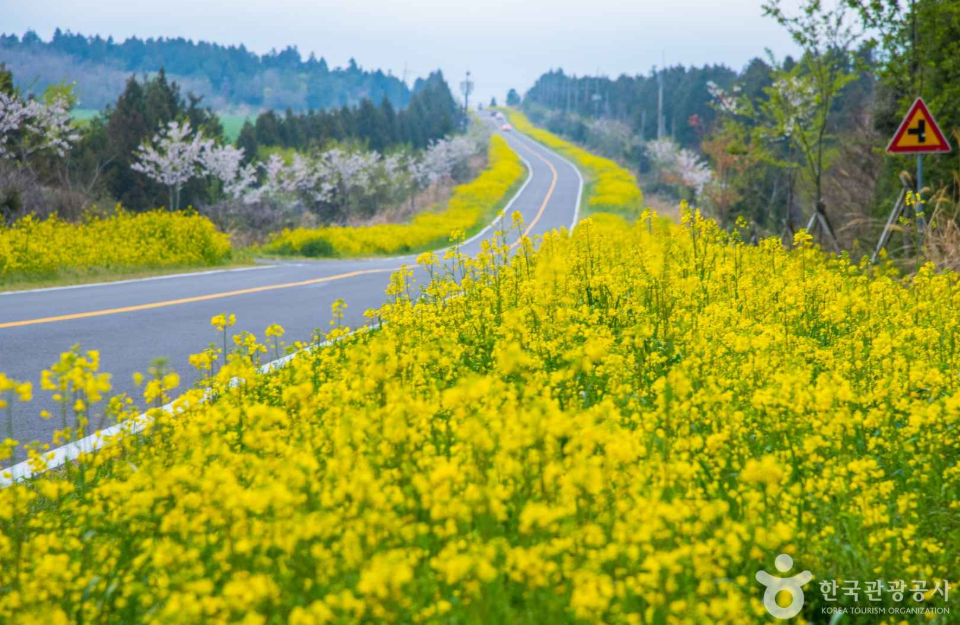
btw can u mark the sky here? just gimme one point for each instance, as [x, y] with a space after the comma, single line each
[504, 43]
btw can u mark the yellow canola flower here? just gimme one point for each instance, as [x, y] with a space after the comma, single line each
[622, 426]
[610, 187]
[122, 241]
[466, 211]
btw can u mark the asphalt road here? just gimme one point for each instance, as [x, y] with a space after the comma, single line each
[133, 322]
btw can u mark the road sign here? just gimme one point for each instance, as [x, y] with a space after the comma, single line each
[918, 133]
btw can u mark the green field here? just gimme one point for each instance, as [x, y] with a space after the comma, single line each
[82, 116]
[231, 123]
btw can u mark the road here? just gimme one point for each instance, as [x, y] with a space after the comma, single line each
[133, 322]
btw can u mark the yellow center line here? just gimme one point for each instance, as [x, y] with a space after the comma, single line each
[546, 199]
[189, 300]
[272, 287]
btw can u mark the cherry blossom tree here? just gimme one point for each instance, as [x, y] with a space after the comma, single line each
[298, 181]
[173, 159]
[346, 176]
[692, 170]
[726, 101]
[224, 163]
[337, 183]
[678, 166]
[34, 126]
[442, 158]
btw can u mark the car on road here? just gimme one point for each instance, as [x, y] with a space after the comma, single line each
[506, 127]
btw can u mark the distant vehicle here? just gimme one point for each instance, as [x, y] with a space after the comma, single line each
[506, 127]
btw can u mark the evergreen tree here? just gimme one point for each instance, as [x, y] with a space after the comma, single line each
[432, 113]
[140, 112]
[236, 76]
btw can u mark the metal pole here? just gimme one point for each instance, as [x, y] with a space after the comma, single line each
[888, 227]
[918, 208]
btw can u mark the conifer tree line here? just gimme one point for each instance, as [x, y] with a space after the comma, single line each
[431, 114]
[775, 140]
[224, 76]
[100, 162]
[633, 100]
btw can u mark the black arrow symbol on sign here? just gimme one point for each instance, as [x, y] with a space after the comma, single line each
[920, 131]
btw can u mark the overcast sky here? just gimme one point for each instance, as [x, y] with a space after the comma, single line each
[505, 43]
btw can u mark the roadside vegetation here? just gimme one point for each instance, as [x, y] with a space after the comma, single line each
[472, 206]
[342, 182]
[771, 141]
[623, 424]
[619, 426]
[33, 250]
[610, 188]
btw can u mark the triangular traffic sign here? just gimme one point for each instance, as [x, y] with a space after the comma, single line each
[918, 133]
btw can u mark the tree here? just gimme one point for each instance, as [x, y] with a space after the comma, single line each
[226, 76]
[729, 149]
[174, 158]
[430, 115]
[916, 47]
[513, 98]
[801, 99]
[678, 166]
[33, 126]
[224, 163]
[6, 80]
[493, 102]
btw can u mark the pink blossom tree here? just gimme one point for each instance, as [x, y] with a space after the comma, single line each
[224, 163]
[173, 159]
[34, 126]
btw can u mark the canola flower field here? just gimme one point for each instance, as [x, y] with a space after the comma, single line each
[622, 426]
[124, 242]
[471, 206]
[610, 188]
[37, 249]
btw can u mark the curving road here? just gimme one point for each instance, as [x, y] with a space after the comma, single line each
[132, 322]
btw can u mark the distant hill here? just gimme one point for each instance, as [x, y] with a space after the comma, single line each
[227, 77]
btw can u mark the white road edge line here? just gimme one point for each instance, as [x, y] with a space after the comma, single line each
[576, 210]
[89, 444]
[187, 274]
[506, 208]
[102, 438]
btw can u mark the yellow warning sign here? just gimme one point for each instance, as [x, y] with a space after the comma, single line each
[918, 133]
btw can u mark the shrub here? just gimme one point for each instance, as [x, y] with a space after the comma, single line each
[123, 241]
[471, 205]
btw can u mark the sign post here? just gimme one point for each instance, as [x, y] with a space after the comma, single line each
[918, 134]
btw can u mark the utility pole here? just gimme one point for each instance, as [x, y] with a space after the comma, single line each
[576, 94]
[596, 95]
[466, 88]
[660, 127]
